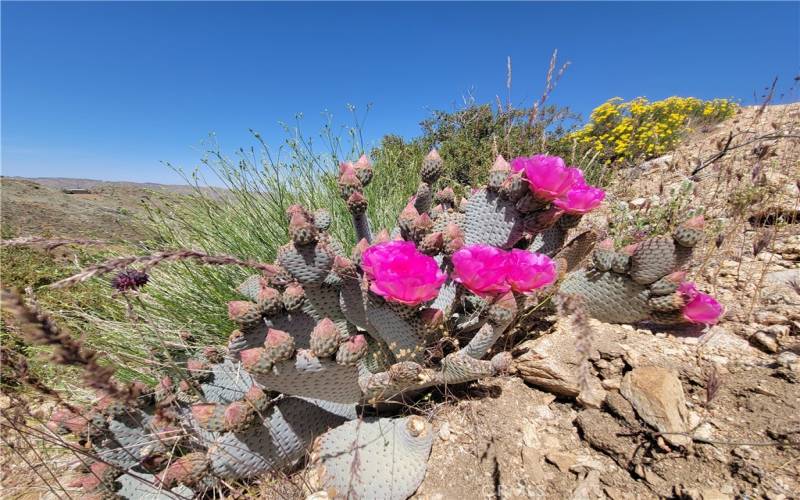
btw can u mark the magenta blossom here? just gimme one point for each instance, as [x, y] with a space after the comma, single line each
[398, 272]
[700, 307]
[528, 271]
[580, 199]
[548, 176]
[482, 269]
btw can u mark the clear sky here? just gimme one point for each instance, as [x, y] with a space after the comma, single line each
[109, 90]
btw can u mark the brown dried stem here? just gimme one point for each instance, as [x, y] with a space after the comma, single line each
[149, 261]
[49, 243]
[39, 329]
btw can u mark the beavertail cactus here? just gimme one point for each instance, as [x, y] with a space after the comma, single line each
[644, 282]
[382, 459]
[320, 333]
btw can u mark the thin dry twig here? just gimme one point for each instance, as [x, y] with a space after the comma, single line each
[149, 261]
[50, 243]
[571, 306]
[39, 329]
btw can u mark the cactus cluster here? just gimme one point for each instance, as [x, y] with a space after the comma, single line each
[322, 334]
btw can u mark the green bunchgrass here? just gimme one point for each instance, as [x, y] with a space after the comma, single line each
[245, 218]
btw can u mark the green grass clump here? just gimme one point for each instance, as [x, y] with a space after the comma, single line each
[245, 218]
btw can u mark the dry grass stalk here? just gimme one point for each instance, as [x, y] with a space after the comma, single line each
[149, 261]
[39, 329]
[571, 306]
[50, 244]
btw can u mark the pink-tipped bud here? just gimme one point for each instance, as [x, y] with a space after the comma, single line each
[297, 221]
[677, 277]
[343, 266]
[351, 350]
[325, 328]
[268, 294]
[277, 337]
[423, 223]
[432, 243]
[237, 415]
[346, 167]
[325, 338]
[607, 244]
[452, 232]
[237, 309]
[203, 413]
[433, 155]
[187, 469]
[251, 358]
[409, 213]
[363, 162]
[350, 179]
[356, 203]
[360, 248]
[382, 237]
[292, 210]
[500, 163]
[629, 249]
[446, 195]
[257, 398]
[294, 290]
[697, 222]
[196, 366]
[212, 354]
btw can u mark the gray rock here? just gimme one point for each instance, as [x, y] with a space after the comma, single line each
[657, 396]
[764, 341]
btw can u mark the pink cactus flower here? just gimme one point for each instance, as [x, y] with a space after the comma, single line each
[548, 176]
[482, 269]
[528, 271]
[700, 307]
[398, 272]
[580, 199]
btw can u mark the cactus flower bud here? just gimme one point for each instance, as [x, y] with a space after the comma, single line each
[351, 350]
[356, 203]
[364, 170]
[325, 339]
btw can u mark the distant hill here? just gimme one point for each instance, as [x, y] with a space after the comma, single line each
[67, 183]
[39, 207]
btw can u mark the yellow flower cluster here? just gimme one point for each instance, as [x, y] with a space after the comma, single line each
[619, 131]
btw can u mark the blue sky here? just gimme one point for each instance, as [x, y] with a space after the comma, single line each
[109, 90]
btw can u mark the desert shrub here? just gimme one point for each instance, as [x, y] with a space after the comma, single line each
[630, 131]
[470, 138]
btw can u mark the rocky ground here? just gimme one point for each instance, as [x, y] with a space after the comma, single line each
[661, 413]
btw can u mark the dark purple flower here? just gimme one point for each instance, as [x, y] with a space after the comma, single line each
[129, 279]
